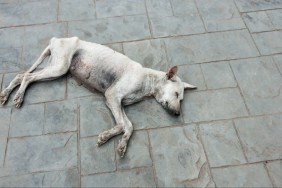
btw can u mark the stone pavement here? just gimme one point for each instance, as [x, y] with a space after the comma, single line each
[230, 130]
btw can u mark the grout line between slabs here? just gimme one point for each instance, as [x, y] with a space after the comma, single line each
[152, 158]
[268, 174]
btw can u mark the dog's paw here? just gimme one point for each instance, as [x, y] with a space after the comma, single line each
[102, 138]
[3, 98]
[121, 148]
[18, 99]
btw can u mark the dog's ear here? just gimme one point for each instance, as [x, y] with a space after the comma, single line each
[189, 86]
[171, 72]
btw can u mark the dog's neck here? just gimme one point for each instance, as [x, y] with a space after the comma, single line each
[152, 82]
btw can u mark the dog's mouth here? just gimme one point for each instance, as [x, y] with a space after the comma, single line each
[169, 109]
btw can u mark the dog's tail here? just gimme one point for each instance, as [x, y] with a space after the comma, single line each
[43, 55]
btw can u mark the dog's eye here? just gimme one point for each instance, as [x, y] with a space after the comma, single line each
[177, 94]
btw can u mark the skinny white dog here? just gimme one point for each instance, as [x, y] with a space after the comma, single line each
[122, 80]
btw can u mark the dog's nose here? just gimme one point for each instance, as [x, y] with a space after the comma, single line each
[177, 113]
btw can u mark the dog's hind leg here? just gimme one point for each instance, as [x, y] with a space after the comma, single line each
[18, 79]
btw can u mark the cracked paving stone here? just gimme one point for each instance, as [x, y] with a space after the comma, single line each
[275, 171]
[45, 153]
[261, 84]
[261, 137]
[67, 178]
[253, 175]
[179, 159]
[23, 122]
[143, 177]
[97, 159]
[222, 144]
[149, 53]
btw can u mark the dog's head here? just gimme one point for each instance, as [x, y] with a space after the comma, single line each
[171, 90]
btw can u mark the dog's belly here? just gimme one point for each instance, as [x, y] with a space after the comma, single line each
[95, 72]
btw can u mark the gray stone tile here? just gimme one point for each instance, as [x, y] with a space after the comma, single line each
[275, 171]
[220, 15]
[116, 46]
[5, 114]
[269, 42]
[27, 121]
[222, 144]
[96, 159]
[261, 84]
[10, 59]
[261, 137]
[213, 105]
[241, 176]
[16, 33]
[150, 53]
[3, 142]
[218, 75]
[182, 7]
[159, 8]
[137, 154]
[278, 60]
[254, 5]
[130, 178]
[210, 47]
[68, 178]
[193, 75]
[25, 13]
[61, 116]
[83, 10]
[150, 114]
[258, 21]
[45, 153]
[37, 38]
[105, 30]
[179, 159]
[95, 117]
[276, 18]
[112, 8]
[176, 25]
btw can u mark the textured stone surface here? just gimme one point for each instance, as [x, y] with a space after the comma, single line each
[210, 47]
[96, 159]
[68, 178]
[225, 104]
[275, 172]
[179, 158]
[112, 8]
[150, 114]
[276, 18]
[176, 25]
[258, 21]
[10, 59]
[261, 137]
[193, 75]
[61, 116]
[137, 154]
[278, 60]
[222, 144]
[69, 10]
[25, 13]
[95, 117]
[218, 75]
[130, 178]
[241, 176]
[269, 42]
[163, 7]
[220, 15]
[24, 123]
[149, 53]
[5, 114]
[254, 5]
[16, 33]
[105, 30]
[260, 83]
[45, 153]
[181, 7]
[3, 143]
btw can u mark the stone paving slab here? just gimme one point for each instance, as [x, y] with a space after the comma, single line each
[275, 172]
[5, 114]
[255, 5]
[68, 178]
[10, 59]
[261, 84]
[253, 175]
[261, 137]
[3, 143]
[163, 7]
[269, 42]
[16, 33]
[143, 177]
[276, 18]
[210, 47]
[258, 21]
[187, 7]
